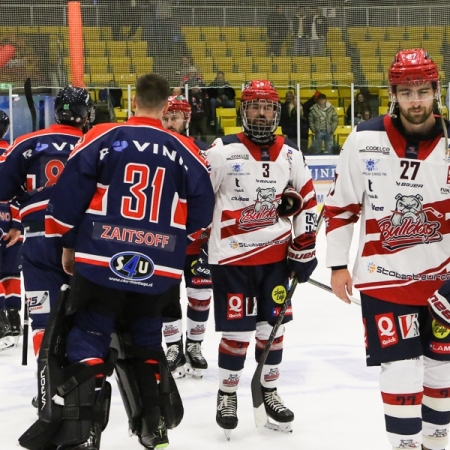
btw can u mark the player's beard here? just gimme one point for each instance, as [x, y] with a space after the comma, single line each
[417, 119]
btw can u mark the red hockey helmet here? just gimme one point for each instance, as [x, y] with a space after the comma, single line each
[257, 91]
[413, 66]
[260, 90]
[179, 103]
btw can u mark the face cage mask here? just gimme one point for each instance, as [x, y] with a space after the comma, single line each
[259, 130]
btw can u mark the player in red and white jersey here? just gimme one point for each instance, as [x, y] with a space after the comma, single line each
[394, 175]
[254, 246]
[197, 277]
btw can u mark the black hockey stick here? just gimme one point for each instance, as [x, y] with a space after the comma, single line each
[30, 102]
[26, 325]
[257, 396]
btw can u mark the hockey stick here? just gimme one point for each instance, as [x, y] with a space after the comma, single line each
[327, 288]
[30, 102]
[26, 325]
[257, 396]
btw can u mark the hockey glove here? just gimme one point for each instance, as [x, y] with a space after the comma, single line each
[302, 262]
[439, 305]
[200, 267]
[291, 202]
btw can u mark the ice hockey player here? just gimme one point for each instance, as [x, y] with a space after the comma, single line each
[393, 173]
[29, 169]
[10, 261]
[132, 197]
[197, 278]
[251, 249]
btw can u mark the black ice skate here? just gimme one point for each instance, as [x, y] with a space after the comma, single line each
[175, 358]
[276, 411]
[195, 362]
[15, 324]
[226, 416]
[92, 442]
[158, 439]
[6, 341]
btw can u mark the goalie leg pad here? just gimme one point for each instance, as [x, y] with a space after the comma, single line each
[50, 376]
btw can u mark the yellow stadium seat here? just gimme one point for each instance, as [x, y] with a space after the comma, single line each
[279, 131]
[301, 64]
[341, 133]
[229, 34]
[142, 65]
[322, 78]
[225, 64]
[252, 33]
[256, 76]
[436, 32]
[376, 33]
[96, 64]
[414, 31]
[306, 93]
[211, 33]
[237, 49]
[343, 78]
[226, 122]
[262, 64]
[205, 64]
[367, 48]
[357, 34]
[191, 33]
[320, 64]
[394, 34]
[226, 112]
[198, 49]
[125, 79]
[217, 49]
[304, 79]
[334, 34]
[279, 79]
[137, 49]
[95, 48]
[389, 48]
[382, 110]
[283, 64]
[101, 79]
[120, 64]
[116, 48]
[235, 79]
[232, 130]
[257, 48]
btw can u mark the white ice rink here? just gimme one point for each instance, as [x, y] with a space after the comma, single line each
[324, 380]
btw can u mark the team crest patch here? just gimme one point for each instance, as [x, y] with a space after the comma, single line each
[132, 266]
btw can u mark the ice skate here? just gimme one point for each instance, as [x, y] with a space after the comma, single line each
[226, 416]
[279, 418]
[15, 324]
[6, 341]
[158, 439]
[195, 362]
[175, 359]
[92, 442]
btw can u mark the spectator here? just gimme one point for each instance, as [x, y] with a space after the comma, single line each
[302, 31]
[309, 104]
[367, 114]
[198, 99]
[288, 121]
[220, 93]
[319, 30]
[359, 106]
[323, 120]
[193, 77]
[277, 30]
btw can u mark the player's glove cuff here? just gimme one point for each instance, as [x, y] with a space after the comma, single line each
[291, 202]
[302, 262]
[439, 307]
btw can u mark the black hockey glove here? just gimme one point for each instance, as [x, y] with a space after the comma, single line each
[439, 305]
[200, 267]
[291, 202]
[302, 262]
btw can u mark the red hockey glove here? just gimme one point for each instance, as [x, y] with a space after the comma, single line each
[302, 262]
[291, 202]
[440, 305]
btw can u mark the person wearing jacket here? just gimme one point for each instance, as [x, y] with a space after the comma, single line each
[323, 120]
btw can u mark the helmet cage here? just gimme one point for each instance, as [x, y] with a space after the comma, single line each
[260, 92]
[179, 104]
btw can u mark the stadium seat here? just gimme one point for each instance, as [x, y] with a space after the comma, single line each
[255, 76]
[142, 65]
[120, 64]
[226, 122]
[257, 48]
[116, 49]
[229, 34]
[226, 112]
[262, 64]
[95, 49]
[382, 110]
[137, 49]
[217, 49]
[341, 133]
[101, 79]
[232, 130]
[237, 49]
[243, 65]
[125, 79]
[414, 32]
[320, 64]
[279, 79]
[375, 33]
[96, 64]
[224, 63]
[235, 79]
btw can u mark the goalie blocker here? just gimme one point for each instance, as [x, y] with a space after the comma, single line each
[74, 400]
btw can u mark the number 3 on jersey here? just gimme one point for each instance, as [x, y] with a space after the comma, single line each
[134, 207]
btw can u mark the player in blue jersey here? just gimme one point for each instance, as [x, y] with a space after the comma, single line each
[10, 261]
[29, 170]
[132, 197]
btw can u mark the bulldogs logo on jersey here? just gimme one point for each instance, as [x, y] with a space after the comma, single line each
[263, 213]
[409, 224]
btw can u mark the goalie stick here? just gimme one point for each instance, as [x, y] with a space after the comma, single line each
[257, 396]
[26, 325]
[30, 102]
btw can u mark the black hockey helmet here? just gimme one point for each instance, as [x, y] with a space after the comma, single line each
[4, 123]
[73, 105]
